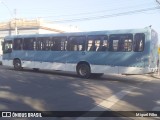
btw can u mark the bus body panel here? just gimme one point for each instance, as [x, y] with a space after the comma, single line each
[153, 57]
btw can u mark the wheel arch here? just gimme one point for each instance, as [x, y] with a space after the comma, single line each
[16, 59]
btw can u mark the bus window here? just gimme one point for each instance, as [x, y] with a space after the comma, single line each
[58, 43]
[139, 40]
[43, 43]
[128, 45]
[40, 45]
[76, 43]
[127, 40]
[7, 47]
[115, 45]
[47, 43]
[103, 45]
[114, 42]
[92, 45]
[29, 44]
[18, 44]
[97, 43]
[121, 42]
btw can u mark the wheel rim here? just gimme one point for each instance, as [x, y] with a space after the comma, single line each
[83, 71]
[17, 65]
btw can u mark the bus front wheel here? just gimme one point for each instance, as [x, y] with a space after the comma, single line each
[17, 64]
[83, 71]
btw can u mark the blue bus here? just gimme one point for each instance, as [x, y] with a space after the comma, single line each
[129, 51]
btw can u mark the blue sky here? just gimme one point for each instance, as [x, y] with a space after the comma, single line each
[60, 10]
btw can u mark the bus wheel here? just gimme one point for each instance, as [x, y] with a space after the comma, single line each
[83, 70]
[17, 64]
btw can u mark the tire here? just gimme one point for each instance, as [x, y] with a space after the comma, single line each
[83, 71]
[17, 64]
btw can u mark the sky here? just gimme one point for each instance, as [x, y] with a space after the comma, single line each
[87, 15]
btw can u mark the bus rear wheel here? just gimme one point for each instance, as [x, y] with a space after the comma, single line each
[17, 64]
[83, 71]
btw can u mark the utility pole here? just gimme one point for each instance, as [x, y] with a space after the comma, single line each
[15, 13]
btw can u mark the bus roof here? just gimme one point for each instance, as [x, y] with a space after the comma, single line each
[105, 32]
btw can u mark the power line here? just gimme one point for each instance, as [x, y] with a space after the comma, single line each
[107, 16]
[158, 2]
[7, 8]
[89, 13]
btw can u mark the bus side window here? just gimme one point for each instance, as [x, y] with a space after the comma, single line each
[97, 43]
[126, 42]
[120, 42]
[58, 43]
[128, 45]
[113, 42]
[40, 43]
[139, 41]
[76, 43]
[92, 45]
[89, 45]
[103, 45]
[18, 44]
[28, 43]
[115, 46]
[46, 42]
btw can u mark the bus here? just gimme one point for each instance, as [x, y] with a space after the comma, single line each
[126, 51]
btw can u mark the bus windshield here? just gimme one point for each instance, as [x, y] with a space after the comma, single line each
[7, 47]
